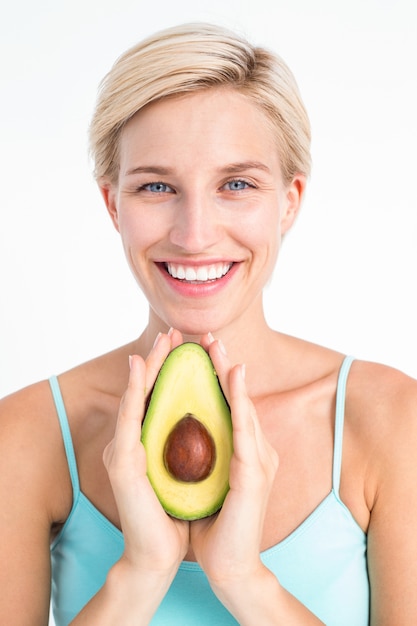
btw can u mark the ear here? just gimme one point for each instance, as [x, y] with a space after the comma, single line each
[109, 192]
[294, 194]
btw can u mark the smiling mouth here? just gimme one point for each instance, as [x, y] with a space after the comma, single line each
[198, 274]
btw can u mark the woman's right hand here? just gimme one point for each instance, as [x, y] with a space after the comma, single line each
[154, 542]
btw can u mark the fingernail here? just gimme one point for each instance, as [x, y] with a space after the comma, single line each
[171, 330]
[243, 370]
[221, 346]
[156, 339]
[130, 361]
[210, 337]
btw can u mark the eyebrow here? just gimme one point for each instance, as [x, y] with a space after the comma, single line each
[149, 169]
[232, 168]
[245, 165]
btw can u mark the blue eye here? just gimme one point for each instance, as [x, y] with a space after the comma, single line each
[157, 188]
[237, 185]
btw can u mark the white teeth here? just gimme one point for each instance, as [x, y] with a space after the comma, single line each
[190, 274]
[200, 274]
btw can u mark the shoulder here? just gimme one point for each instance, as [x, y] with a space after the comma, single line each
[381, 418]
[381, 397]
[26, 414]
[30, 450]
[381, 413]
[31, 447]
[32, 499]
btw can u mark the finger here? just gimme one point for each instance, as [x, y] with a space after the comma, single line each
[129, 420]
[247, 420]
[160, 350]
[221, 362]
[243, 416]
[176, 338]
[206, 340]
[163, 345]
[232, 381]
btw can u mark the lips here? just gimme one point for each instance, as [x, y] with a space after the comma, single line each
[200, 274]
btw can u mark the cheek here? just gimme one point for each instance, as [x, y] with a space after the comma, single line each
[262, 229]
[266, 238]
[137, 231]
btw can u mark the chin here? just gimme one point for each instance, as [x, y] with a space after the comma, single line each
[197, 324]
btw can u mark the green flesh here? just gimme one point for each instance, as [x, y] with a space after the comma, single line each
[188, 384]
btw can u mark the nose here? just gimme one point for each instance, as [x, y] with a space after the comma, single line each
[196, 225]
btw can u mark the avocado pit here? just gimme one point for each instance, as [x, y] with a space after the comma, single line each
[189, 452]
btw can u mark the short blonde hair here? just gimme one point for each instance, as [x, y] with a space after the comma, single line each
[193, 57]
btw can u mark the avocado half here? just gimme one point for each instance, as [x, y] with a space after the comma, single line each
[187, 435]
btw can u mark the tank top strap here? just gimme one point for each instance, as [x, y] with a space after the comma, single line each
[339, 421]
[66, 435]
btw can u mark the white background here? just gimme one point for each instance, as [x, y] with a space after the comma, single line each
[346, 275]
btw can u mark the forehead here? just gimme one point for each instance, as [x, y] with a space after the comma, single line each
[213, 123]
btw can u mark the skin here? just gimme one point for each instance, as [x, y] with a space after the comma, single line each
[179, 177]
[198, 154]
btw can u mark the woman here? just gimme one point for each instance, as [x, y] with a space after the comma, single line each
[201, 150]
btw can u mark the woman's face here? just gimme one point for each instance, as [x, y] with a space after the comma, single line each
[201, 206]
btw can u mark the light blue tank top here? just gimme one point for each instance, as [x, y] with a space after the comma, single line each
[322, 563]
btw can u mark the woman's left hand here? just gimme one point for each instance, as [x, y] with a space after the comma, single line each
[227, 545]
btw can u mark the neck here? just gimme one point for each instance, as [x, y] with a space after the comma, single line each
[246, 340]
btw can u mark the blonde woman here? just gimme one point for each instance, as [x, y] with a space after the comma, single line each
[201, 150]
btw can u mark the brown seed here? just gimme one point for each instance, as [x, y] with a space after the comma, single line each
[189, 452]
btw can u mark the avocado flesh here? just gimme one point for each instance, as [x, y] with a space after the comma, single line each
[187, 385]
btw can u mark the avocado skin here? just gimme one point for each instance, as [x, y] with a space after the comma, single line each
[187, 384]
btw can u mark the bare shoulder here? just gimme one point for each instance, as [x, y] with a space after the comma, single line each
[32, 455]
[35, 494]
[382, 399]
[25, 420]
[381, 416]
[30, 446]
[381, 427]
[35, 485]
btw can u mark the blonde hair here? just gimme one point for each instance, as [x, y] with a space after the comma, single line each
[193, 57]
